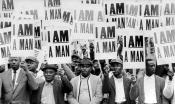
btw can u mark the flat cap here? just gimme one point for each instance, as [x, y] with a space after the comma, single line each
[50, 66]
[86, 61]
[32, 59]
[118, 60]
[75, 56]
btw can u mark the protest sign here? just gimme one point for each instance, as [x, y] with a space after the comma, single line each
[53, 10]
[67, 12]
[133, 49]
[23, 40]
[151, 13]
[149, 46]
[91, 2]
[4, 23]
[85, 17]
[7, 8]
[67, 16]
[5, 41]
[7, 5]
[35, 9]
[37, 35]
[106, 41]
[58, 47]
[164, 39]
[132, 10]
[168, 11]
[115, 12]
[38, 43]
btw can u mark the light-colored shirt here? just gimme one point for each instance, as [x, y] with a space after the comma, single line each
[17, 74]
[149, 89]
[173, 99]
[47, 96]
[84, 97]
[119, 89]
[169, 89]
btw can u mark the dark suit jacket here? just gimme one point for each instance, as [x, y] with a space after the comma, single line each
[20, 94]
[60, 87]
[109, 87]
[138, 90]
[0, 87]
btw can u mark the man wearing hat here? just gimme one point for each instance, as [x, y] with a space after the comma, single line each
[52, 91]
[17, 82]
[87, 88]
[117, 86]
[75, 62]
[32, 64]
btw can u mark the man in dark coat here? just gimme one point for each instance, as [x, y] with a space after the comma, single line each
[117, 86]
[52, 90]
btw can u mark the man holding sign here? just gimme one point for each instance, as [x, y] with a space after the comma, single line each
[16, 81]
[149, 88]
[118, 86]
[87, 88]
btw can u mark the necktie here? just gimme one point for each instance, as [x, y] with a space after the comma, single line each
[14, 77]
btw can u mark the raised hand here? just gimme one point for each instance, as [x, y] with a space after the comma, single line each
[24, 66]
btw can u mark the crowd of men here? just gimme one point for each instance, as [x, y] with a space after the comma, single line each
[82, 82]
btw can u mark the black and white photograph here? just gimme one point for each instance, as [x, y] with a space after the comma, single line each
[87, 51]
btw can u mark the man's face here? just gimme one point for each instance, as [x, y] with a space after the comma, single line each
[49, 75]
[75, 60]
[96, 65]
[117, 68]
[150, 68]
[97, 68]
[32, 65]
[77, 70]
[85, 70]
[14, 62]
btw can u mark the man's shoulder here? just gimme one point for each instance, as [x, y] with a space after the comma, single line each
[5, 73]
[159, 78]
[75, 79]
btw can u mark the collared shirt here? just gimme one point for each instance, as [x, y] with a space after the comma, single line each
[149, 89]
[84, 97]
[47, 96]
[17, 74]
[119, 89]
